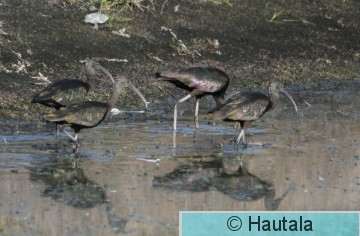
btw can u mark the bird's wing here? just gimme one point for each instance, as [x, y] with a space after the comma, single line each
[205, 78]
[85, 113]
[62, 92]
[243, 106]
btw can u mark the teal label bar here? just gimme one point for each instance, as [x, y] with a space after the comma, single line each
[269, 223]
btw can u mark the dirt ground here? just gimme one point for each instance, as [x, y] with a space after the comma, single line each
[253, 41]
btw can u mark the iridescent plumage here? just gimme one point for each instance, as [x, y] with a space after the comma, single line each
[65, 92]
[248, 106]
[88, 114]
[200, 81]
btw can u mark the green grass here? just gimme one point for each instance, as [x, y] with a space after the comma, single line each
[116, 9]
[106, 5]
[276, 15]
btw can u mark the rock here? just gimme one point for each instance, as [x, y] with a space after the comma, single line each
[96, 18]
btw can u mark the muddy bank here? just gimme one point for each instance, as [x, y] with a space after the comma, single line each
[253, 41]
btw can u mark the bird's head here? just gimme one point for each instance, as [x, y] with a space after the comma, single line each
[92, 65]
[122, 82]
[275, 88]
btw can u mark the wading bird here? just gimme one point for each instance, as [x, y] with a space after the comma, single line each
[89, 114]
[248, 106]
[65, 92]
[200, 81]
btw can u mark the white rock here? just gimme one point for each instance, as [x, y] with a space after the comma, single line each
[115, 111]
[96, 18]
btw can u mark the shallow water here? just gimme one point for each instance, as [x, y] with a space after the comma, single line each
[128, 178]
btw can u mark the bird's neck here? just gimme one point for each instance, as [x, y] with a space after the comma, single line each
[270, 202]
[90, 73]
[90, 79]
[270, 106]
[274, 97]
[114, 96]
[219, 99]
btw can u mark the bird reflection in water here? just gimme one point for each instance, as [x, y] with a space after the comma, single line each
[194, 177]
[66, 183]
[244, 186]
[231, 179]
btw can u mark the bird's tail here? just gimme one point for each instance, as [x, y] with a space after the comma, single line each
[215, 113]
[167, 75]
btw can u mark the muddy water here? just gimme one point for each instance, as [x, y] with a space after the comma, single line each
[129, 179]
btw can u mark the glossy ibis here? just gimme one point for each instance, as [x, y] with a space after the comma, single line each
[64, 92]
[88, 114]
[200, 81]
[248, 106]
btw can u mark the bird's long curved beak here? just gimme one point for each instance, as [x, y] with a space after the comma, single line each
[106, 72]
[291, 99]
[132, 87]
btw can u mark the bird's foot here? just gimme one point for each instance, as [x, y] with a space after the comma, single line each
[238, 144]
[75, 161]
[76, 147]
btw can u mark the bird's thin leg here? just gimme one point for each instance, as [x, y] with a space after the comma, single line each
[77, 147]
[175, 109]
[57, 130]
[237, 125]
[244, 126]
[196, 117]
[241, 135]
[73, 138]
[77, 143]
[174, 139]
[75, 162]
